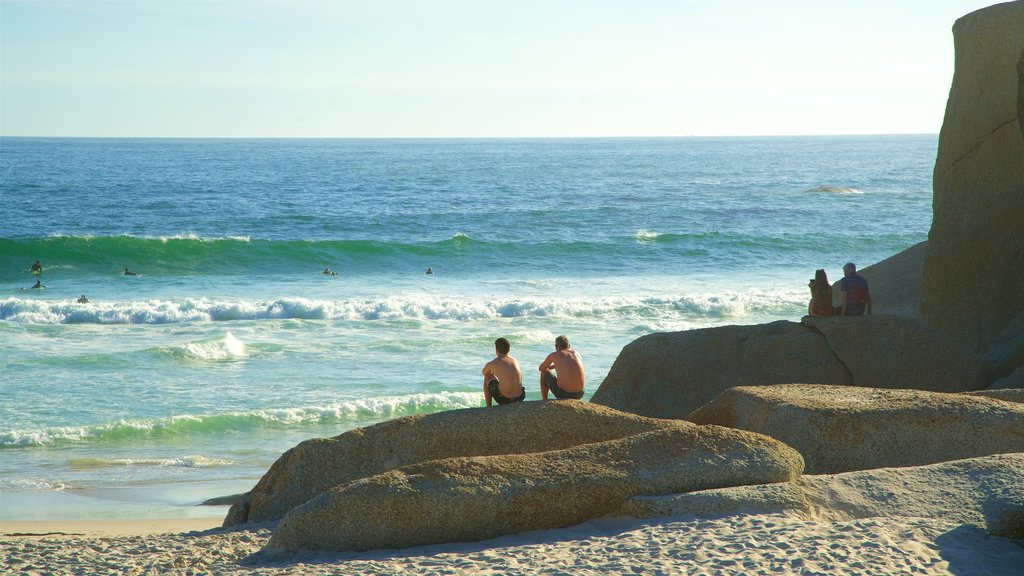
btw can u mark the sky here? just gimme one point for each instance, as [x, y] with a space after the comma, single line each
[474, 68]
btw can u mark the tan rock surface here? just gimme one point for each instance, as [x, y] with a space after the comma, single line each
[474, 498]
[883, 351]
[974, 269]
[316, 465]
[895, 283]
[844, 428]
[668, 375]
[987, 492]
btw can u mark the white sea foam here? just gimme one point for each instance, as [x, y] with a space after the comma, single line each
[227, 347]
[359, 410]
[645, 235]
[407, 306]
[192, 461]
[32, 485]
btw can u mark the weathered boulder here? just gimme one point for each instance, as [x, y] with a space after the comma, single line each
[1014, 380]
[974, 269]
[987, 492]
[668, 375]
[474, 498]
[890, 352]
[895, 283]
[316, 465]
[1007, 354]
[844, 428]
[1008, 394]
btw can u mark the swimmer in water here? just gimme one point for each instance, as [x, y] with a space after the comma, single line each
[83, 300]
[430, 270]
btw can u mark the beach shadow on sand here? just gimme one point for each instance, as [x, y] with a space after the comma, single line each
[970, 551]
[596, 528]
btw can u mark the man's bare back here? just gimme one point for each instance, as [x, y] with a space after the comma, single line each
[568, 366]
[505, 369]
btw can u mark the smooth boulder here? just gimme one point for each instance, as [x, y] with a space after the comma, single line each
[844, 428]
[475, 498]
[974, 268]
[987, 492]
[884, 351]
[668, 375]
[316, 465]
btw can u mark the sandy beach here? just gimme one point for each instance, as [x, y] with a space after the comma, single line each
[734, 544]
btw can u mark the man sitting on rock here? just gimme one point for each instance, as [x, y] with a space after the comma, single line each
[568, 378]
[855, 298]
[503, 378]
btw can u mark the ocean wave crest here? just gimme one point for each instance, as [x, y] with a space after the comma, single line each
[127, 431]
[834, 190]
[424, 307]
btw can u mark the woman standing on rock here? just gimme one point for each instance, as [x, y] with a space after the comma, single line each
[821, 295]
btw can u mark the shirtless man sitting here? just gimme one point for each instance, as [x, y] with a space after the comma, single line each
[569, 377]
[503, 378]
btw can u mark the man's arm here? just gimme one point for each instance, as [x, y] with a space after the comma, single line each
[547, 363]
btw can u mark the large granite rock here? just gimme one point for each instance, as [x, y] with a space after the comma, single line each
[316, 465]
[474, 498]
[668, 375]
[891, 352]
[1014, 380]
[895, 283]
[1006, 355]
[987, 492]
[974, 269]
[842, 428]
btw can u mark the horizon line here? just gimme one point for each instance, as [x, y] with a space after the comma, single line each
[827, 135]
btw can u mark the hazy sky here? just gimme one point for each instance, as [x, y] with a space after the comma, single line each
[475, 68]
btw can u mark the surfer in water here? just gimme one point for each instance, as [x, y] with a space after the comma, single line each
[36, 268]
[329, 272]
[128, 272]
[38, 285]
[83, 300]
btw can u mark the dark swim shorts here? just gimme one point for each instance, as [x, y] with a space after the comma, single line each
[497, 396]
[552, 381]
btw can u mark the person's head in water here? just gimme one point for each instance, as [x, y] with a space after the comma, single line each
[502, 346]
[561, 343]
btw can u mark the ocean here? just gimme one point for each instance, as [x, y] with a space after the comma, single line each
[187, 380]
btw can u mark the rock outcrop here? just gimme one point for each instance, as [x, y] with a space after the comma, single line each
[317, 465]
[842, 428]
[668, 375]
[890, 352]
[987, 492]
[895, 283]
[1006, 355]
[974, 269]
[474, 498]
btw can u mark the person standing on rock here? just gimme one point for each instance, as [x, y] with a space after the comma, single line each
[855, 298]
[568, 378]
[503, 378]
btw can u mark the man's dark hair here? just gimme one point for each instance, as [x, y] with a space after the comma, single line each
[562, 342]
[502, 346]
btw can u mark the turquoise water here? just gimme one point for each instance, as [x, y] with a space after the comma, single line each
[186, 381]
